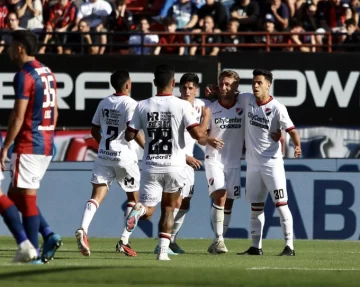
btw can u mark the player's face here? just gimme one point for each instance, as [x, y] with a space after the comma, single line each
[188, 91]
[227, 86]
[260, 86]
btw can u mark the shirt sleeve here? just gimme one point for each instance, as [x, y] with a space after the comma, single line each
[189, 116]
[23, 85]
[284, 119]
[135, 122]
[97, 115]
[129, 112]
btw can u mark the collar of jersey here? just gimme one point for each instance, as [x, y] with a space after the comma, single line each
[163, 95]
[118, 95]
[264, 103]
[227, 107]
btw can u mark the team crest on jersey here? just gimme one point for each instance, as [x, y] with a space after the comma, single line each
[239, 111]
[211, 181]
[197, 109]
[267, 111]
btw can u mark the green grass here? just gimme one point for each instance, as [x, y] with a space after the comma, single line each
[317, 263]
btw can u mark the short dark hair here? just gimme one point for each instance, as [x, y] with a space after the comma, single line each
[262, 72]
[118, 79]
[27, 39]
[169, 21]
[190, 78]
[164, 74]
[350, 21]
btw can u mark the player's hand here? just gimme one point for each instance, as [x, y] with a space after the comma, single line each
[276, 136]
[297, 152]
[193, 162]
[211, 90]
[215, 143]
[3, 156]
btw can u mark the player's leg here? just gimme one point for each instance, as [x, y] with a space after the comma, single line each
[172, 184]
[256, 193]
[129, 179]
[233, 188]
[275, 180]
[217, 191]
[102, 177]
[182, 207]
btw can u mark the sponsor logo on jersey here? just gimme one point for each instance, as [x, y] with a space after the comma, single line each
[257, 121]
[267, 111]
[228, 123]
[239, 111]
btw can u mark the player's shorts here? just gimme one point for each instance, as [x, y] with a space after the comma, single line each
[261, 179]
[223, 178]
[153, 185]
[128, 177]
[188, 189]
[27, 170]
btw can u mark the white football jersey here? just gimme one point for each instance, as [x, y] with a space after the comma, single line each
[112, 115]
[228, 125]
[164, 120]
[189, 141]
[261, 121]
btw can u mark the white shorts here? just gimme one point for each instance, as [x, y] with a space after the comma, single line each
[153, 185]
[128, 177]
[261, 179]
[188, 189]
[1, 176]
[223, 178]
[27, 170]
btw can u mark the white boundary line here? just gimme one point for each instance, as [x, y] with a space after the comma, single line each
[301, 269]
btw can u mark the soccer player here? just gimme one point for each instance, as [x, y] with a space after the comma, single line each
[189, 88]
[222, 162]
[163, 119]
[116, 158]
[31, 128]
[265, 165]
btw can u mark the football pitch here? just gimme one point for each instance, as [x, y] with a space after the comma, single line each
[317, 263]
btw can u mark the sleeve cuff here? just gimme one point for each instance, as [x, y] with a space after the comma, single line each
[96, 125]
[192, 126]
[132, 129]
[290, 129]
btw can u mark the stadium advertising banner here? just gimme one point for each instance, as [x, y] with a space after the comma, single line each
[318, 89]
[325, 204]
[84, 80]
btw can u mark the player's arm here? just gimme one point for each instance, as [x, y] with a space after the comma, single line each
[96, 133]
[140, 140]
[295, 138]
[134, 125]
[198, 131]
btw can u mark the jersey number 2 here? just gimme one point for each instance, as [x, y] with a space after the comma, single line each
[49, 92]
[113, 132]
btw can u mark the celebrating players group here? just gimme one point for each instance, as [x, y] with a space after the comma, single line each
[167, 128]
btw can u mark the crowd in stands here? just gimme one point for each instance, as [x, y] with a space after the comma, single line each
[95, 25]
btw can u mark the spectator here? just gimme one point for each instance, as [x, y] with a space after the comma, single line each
[3, 14]
[169, 3]
[184, 13]
[144, 28]
[280, 13]
[170, 26]
[299, 39]
[269, 27]
[82, 36]
[352, 40]
[62, 19]
[217, 11]
[333, 13]
[29, 13]
[307, 15]
[208, 27]
[233, 27]
[13, 25]
[355, 9]
[247, 12]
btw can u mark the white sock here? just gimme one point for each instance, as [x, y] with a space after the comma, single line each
[179, 217]
[227, 218]
[164, 241]
[217, 219]
[286, 222]
[257, 222]
[126, 234]
[90, 209]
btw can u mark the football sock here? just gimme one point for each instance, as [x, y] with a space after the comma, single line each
[126, 233]
[90, 209]
[286, 222]
[179, 217]
[11, 217]
[45, 229]
[217, 219]
[227, 218]
[164, 241]
[31, 218]
[257, 222]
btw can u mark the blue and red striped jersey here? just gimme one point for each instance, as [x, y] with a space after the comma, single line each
[36, 83]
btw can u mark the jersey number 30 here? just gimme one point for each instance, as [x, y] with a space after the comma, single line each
[49, 92]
